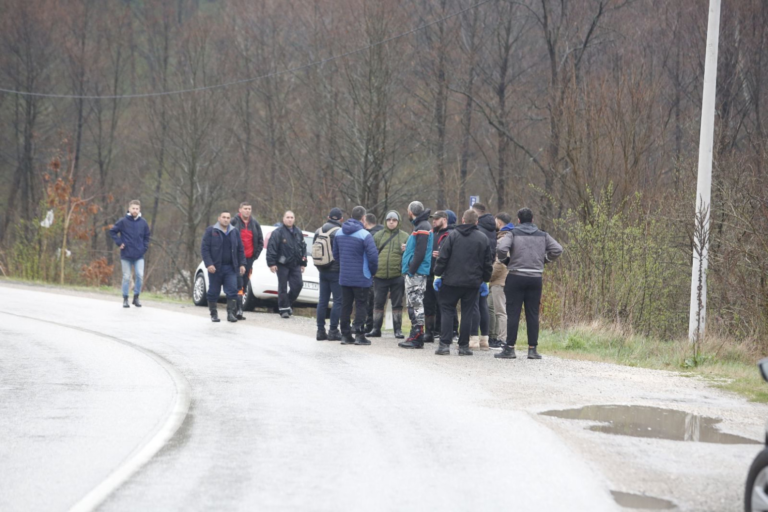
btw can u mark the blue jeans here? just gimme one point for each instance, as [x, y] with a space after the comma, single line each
[138, 269]
[329, 285]
[225, 275]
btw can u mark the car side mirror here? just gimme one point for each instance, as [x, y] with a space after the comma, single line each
[763, 365]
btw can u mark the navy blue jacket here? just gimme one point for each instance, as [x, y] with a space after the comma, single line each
[213, 239]
[134, 233]
[357, 255]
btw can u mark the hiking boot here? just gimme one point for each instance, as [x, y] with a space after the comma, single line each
[214, 309]
[429, 337]
[429, 328]
[378, 321]
[125, 302]
[415, 340]
[285, 314]
[347, 339]
[397, 324]
[136, 300]
[533, 354]
[360, 339]
[443, 350]
[496, 344]
[464, 351]
[474, 342]
[231, 309]
[508, 352]
[334, 335]
[321, 336]
[239, 311]
[484, 343]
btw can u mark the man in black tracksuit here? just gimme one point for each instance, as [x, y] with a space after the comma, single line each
[224, 258]
[464, 266]
[441, 227]
[287, 256]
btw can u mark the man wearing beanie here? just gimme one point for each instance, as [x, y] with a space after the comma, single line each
[328, 267]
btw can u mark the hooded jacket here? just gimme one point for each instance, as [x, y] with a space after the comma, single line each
[357, 255]
[487, 225]
[439, 238]
[418, 250]
[390, 249]
[465, 258]
[134, 233]
[328, 226]
[528, 249]
[287, 247]
[213, 240]
[499, 277]
[256, 236]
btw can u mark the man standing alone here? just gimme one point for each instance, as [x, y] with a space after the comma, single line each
[416, 262]
[358, 262]
[253, 243]
[131, 234]
[287, 256]
[223, 256]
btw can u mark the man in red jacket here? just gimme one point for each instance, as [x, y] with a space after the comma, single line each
[253, 243]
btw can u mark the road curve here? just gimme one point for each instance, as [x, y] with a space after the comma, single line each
[281, 422]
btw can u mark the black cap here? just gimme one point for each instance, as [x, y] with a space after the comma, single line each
[336, 214]
[439, 214]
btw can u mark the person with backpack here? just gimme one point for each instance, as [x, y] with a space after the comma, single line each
[328, 267]
[253, 244]
[389, 279]
[287, 257]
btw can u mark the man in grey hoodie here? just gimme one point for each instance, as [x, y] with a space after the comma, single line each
[525, 249]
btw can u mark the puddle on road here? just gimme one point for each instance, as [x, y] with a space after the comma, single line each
[628, 500]
[651, 422]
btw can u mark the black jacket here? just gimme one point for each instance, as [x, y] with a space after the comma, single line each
[213, 239]
[287, 248]
[255, 228]
[439, 239]
[334, 266]
[487, 225]
[375, 229]
[465, 258]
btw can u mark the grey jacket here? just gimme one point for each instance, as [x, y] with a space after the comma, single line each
[528, 249]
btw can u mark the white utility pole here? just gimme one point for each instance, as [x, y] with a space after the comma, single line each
[704, 182]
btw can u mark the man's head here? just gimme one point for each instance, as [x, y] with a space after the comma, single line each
[524, 215]
[480, 209]
[439, 220]
[245, 210]
[289, 218]
[470, 217]
[502, 219]
[369, 221]
[393, 220]
[134, 208]
[224, 219]
[358, 212]
[415, 209]
[336, 214]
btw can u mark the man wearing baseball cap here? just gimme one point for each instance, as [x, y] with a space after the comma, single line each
[328, 267]
[441, 228]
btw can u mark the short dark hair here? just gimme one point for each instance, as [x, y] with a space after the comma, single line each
[504, 217]
[245, 203]
[525, 215]
[358, 212]
[370, 218]
[470, 217]
[134, 202]
[479, 208]
[225, 211]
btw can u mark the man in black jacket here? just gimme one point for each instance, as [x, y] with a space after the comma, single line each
[463, 268]
[483, 314]
[224, 259]
[287, 256]
[371, 224]
[329, 276]
[440, 229]
[253, 243]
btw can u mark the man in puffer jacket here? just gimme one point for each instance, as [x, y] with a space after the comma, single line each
[389, 279]
[498, 279]
[358, 262]
[526, 249]
[224, 258]
[416, 265]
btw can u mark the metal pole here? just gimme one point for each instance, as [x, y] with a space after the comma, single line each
[704, 182]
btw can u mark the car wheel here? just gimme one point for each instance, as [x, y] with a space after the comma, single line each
[249, 299]
[199, 291]
[756, 494]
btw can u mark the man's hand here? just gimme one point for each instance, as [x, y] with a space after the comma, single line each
[122, 246]
[484, 290]
[435, 254]
[273, 268]
[211, 269]
[303, 269]
[242, 270]
[437, 283]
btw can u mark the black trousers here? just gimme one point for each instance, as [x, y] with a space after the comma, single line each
[432, 306]
[242, 281]
[521, 290]
[288, 277]
[357, 297]
[449, 296]
[481, 318]
[369, 308]
[394, 287]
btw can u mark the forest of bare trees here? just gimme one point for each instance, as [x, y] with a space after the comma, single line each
[586, 111]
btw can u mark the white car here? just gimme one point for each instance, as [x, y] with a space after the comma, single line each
[262, 287]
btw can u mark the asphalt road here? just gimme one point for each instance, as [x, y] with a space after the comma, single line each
[148, 409]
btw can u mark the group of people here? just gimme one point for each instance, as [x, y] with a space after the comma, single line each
[488, 264]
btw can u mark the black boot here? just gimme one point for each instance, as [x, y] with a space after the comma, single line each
[347, 339]
[378, 320]
[136, 300]
[464, 350]
[321, 335]
[533, 354]
[231, 309]
[443, 349]
[397, 324]
[415, 340]
[239, 311]
[214, 309]
[125, 302]
[360, 339]
[508, 352]
[334, 335]
[429, 327]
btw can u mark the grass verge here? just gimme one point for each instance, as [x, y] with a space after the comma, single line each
[101, 290]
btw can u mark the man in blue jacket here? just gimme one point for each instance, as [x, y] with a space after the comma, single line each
[131, 234]
[224, 258]
[358, 259]
[417, 261]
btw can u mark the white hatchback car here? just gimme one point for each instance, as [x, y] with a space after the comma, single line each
[262, 287]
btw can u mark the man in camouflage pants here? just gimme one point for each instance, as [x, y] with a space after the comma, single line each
[417, 260]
